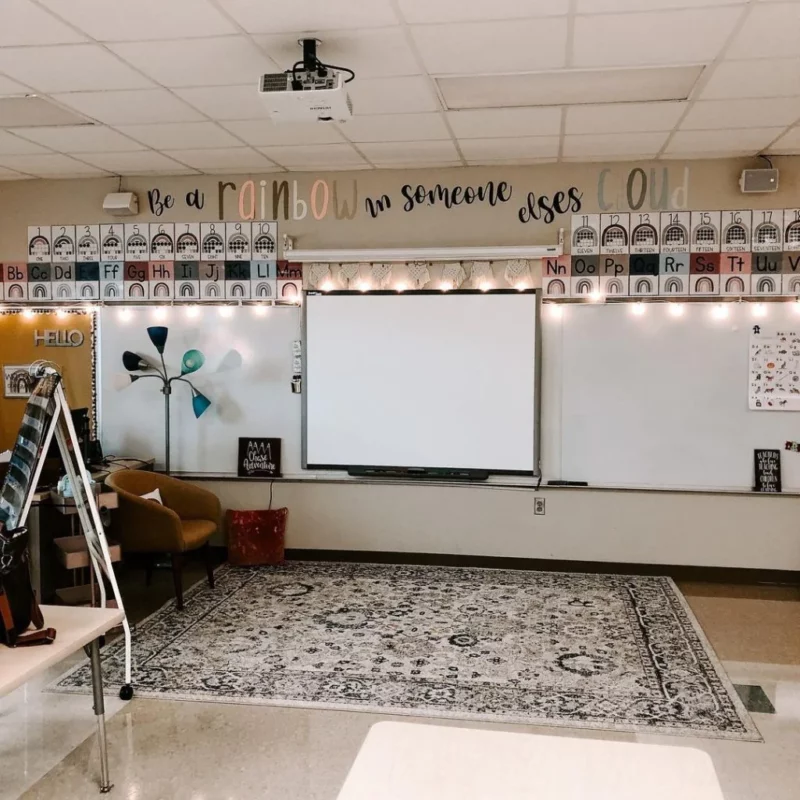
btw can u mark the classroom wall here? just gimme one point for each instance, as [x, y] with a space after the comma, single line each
[675, 528]
[18, 346]
[598, 187]
[637, 527]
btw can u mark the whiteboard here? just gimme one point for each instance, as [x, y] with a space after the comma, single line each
[247, 376]
[659, 400]
[421, 380]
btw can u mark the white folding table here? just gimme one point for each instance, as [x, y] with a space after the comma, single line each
[403, 761]
[75, 628]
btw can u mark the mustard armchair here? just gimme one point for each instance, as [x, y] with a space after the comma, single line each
[189, 517]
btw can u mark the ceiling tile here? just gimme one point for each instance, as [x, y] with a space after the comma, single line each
[706, 154]
[265, 132]
[417, 164]
[629, 157]
[759, 113]
[485, 123]
[667, 37]
[624, 117]
[508, 162]
[121, 108]
[606, 6]
[424, 11]
[80, 139]
[778, 77]
[32, 110]
[131, 20]
[770, 30]
[612, 144]
[11, 145]
[21, 22]
[199, 62]
[143, 161]
[49, 165]
[10, 175]
[409, 152]
[220, 158]
[788, 143]
[392, 95]
[395, 127]
[7, 86]
[226, 102]
[314, 156]
[369, 53]
[180, 135]
[309, 15]
[491, 47]
[271, 168]
[505, 148]
[749, 140]
[69, 68]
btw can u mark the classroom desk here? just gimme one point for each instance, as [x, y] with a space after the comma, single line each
[105, 500]
[400, 761]
[75, 628]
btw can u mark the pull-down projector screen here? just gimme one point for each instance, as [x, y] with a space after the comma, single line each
[421, 380]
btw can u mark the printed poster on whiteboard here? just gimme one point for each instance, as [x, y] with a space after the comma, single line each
[774, 368]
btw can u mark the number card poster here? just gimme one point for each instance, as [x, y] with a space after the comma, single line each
[774, 368]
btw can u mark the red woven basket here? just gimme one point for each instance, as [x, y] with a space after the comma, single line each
[256, 537]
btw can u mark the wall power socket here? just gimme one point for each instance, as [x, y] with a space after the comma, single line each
[538, 506]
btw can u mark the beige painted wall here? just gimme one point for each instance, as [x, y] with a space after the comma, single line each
[580, 524]
[667, 528]
[711, 185]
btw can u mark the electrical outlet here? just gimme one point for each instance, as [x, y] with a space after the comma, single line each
[538, 505]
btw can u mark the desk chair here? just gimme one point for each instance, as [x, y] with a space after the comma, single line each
[185, 522]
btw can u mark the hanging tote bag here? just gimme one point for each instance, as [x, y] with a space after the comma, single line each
[18, 607]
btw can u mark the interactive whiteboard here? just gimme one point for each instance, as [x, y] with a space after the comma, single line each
[421, 380]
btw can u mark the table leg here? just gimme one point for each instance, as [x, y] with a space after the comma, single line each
[100, 713]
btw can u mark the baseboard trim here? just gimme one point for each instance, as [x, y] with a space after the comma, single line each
[675, 571]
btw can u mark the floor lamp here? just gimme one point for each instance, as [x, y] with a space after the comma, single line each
[191, 362]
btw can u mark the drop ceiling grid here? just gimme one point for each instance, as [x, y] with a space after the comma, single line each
[250, 36]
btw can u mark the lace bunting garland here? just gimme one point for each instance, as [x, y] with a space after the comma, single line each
[381, 274]
[419, 273]
[481, 274]
[453, 274]
[319, 274]
[517, 270]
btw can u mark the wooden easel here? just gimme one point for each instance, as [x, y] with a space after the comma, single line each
[89, 517]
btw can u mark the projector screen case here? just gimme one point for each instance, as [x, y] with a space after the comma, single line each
[421, 379]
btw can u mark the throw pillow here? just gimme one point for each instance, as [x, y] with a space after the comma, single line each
[155, 496]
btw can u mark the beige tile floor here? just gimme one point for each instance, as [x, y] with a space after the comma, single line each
[197, 751]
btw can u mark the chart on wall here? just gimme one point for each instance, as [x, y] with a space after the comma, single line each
[152, 262]
[774, 368]
[676, 253]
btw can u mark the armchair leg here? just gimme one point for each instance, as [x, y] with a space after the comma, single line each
[150, 564]
[209, 564]
[177, 577]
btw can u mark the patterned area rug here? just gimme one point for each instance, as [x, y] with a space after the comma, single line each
[540, 648]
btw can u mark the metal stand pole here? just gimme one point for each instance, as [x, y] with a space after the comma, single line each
[100, 714]
[167, 389]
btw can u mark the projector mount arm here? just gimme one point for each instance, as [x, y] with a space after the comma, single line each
[311, 63]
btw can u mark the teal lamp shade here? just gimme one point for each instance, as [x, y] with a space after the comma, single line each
[199, 403]
[158, 336]
[192, 361]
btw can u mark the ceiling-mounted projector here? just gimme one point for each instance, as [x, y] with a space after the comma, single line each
[308, 92]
